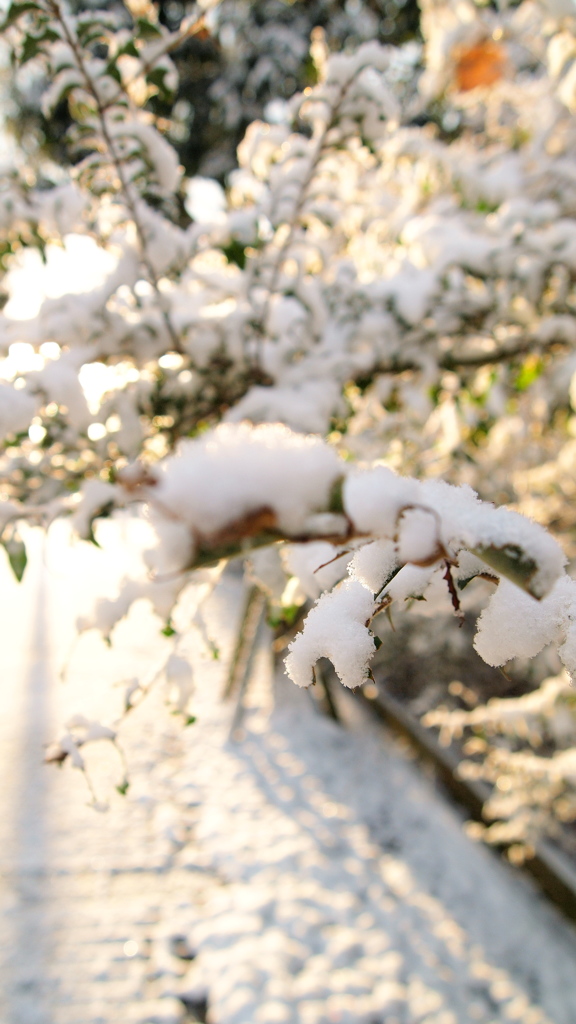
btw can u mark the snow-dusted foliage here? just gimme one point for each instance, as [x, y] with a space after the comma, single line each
[256, 57]
[404, 283]
[388, 275]
[534, 789]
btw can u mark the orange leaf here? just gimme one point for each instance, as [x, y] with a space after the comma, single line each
[482, 64]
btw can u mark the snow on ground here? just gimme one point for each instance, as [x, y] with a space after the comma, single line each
[310, 872]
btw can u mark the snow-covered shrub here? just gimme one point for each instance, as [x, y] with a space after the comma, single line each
[391, 267]
[534, 772]
[247, 56]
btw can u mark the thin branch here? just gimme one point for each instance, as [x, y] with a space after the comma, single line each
[260, 323]
[449, 361]
[119, 168]
[453, 593]
[332, 560]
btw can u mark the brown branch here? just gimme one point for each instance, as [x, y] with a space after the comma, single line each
[260, 323]
[332, 560]
[449, 361]
[453, 594]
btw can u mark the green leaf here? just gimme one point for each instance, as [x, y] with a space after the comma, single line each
[128, 49]
[16, 10]
[336, 500]
[311, 76]
[377, 642]
[123, 787]
[530, 371]
[285, 616]
[190, 719]
[35, 44]
[147, 29]
[462, 584]
[31, 47]
[168, 629]
[102, 513]
[63, 94]
[235, 252]
[94, 35]
[483, 206]
[510, 561]
[394, 572]
[16, 551]
[157, 77]
[113, 72]
[93, 26]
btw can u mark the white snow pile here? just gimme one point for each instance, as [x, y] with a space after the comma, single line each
[235, 472]
[16, 410]
[426, 517]
[375, 563]
[513, 625]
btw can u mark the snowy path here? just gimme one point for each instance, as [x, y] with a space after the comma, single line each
[317, 877]
[86, 898]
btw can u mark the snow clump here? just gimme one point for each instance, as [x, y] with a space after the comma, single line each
[336, 628]
[237, 470]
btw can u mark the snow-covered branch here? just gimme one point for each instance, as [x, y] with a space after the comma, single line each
[242, 487]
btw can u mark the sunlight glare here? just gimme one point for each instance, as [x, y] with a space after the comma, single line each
[80, 266]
